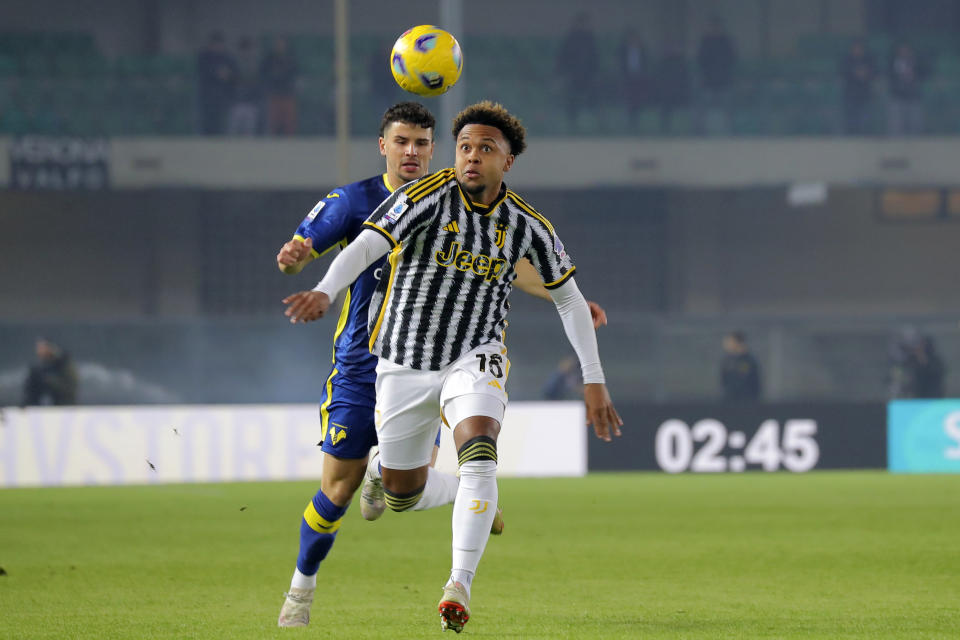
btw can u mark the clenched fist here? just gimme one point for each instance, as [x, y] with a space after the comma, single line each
[294, 253]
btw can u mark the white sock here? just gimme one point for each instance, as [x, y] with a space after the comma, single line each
[441, 489]
[462, 576]
[473, 513]
[301, 581]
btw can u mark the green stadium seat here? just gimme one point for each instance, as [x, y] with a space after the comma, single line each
[948, 65]
[822, 45]
[134, 65]
[14, 121]
[8, 66]
[34, 64]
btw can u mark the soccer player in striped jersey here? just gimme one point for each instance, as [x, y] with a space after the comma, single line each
[347, 403]
[437, 321]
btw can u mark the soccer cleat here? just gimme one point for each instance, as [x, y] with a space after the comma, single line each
[454, 607]
[497, 527]
[372, 502]
[295, 611]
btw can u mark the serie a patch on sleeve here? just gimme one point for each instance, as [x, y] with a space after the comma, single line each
[397, 209]
[313, 212]
[558, 247]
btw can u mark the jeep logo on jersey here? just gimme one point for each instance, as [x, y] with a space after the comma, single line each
[481, 264]
[501, 233]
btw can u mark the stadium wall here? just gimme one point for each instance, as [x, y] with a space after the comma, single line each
[236, 163]
[176, 253]
[138, 445]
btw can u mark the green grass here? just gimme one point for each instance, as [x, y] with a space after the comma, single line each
[824, 555]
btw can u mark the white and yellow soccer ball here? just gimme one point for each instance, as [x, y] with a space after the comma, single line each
[426, 60]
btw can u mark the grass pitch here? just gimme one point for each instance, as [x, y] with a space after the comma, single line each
[823, 555]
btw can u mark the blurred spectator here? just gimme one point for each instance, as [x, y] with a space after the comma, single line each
[672, 86]
[857, 71]
[217, 77]
[716, 59]
[244, 118]
[916, 368]
[905, 107]
[279, 72]
[52, 379]
[566, 382]
[577, 67]
[739, 370]
[635, 72]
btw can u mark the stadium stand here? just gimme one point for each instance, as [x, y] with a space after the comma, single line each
[60, 83]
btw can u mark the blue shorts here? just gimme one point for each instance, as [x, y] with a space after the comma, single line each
[347, 422]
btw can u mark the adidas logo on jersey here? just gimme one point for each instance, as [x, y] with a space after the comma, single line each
[481, 264]
[452, 227]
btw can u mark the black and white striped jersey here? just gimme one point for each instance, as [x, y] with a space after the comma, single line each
[451, 269]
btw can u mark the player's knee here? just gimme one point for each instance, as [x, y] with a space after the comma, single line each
[403, 501]
[341, 477]
[340, 493]
[478, 449]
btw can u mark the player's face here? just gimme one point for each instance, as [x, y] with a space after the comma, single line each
[483, 156]
[408, 150]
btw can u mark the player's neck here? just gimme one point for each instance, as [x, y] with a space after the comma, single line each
[488, 197]
[392, 181]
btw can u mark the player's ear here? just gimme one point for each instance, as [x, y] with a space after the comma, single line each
[508, 163]
[383, 147]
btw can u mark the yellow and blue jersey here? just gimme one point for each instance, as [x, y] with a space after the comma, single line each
[334, 222]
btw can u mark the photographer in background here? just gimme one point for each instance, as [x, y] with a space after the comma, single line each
[51, 380]
[739, 371]
[916, 368]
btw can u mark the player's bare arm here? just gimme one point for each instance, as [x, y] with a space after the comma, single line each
[528, 281]
[601, 412]
[294, 255]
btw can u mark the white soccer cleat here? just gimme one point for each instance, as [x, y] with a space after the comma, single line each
[454, 607]
[295, 611]
[372, 501]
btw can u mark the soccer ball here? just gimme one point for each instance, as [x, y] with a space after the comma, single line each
[426, 60]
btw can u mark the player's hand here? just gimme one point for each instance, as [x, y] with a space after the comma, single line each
[598, 314]
[600, 411]
[294, 251]
[305, 306]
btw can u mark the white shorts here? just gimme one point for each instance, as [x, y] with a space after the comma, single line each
[409, 402]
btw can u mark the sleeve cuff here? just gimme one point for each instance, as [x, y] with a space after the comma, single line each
[383, 232]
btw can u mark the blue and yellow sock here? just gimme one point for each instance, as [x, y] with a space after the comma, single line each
[318, 530]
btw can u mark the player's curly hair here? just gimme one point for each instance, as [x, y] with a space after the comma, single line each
[411, 113]
[494, 115]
